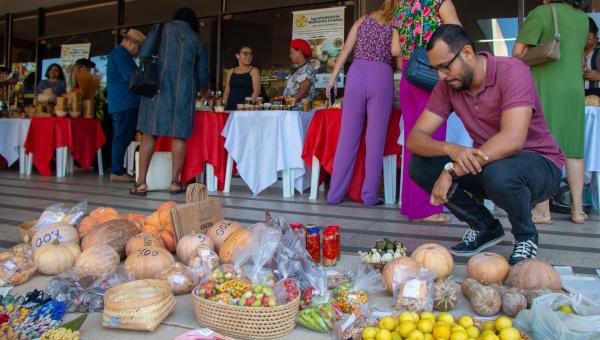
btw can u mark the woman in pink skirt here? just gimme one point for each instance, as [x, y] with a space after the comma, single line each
[417, 20]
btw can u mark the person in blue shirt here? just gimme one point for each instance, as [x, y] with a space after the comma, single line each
[122, 104]
[55, 80]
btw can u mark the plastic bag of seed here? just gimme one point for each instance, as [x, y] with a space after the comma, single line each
[368, 280]
[413, 289]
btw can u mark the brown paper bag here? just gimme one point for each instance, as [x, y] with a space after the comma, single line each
[198, 214]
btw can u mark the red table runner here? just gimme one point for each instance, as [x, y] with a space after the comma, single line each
[206, 145]
[322, 138]
[83, 137]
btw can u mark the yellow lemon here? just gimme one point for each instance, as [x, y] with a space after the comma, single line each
[465, 321]
[446, 317]
[459, 335]
[441, 331]
[396, 336]
[489, 325]
[428, 315]
[425, 325]
[502, 323]
[416, 335]
[405, 328]
[384, 334]
[429, 337]
[510, 333]
[369, 332]
[473, 331]
[458, 328]
[488, 335]
[405, 316]
[566, 309]
[415, 317]
[387, 323]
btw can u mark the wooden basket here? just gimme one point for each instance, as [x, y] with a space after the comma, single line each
[138, 305]
[26, 232]
[247, 322]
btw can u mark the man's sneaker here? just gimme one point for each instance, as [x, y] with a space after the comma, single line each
[524, 249]
[475, 241]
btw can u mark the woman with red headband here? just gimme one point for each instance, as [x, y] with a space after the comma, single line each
[302, 83]
[368, 100]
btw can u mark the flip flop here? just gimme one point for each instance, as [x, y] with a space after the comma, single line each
[436, 218]
[135, 189]
[541, 220]
[178, 191]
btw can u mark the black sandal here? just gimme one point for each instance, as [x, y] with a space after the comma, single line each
[178, 191]
[135, 189]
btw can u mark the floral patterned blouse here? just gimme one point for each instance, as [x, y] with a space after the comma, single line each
[416, 22]
[305, 72]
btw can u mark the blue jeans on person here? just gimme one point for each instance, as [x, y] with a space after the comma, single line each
[124, 123]
[514, 184]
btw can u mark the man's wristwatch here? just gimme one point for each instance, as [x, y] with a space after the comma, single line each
[449, 167]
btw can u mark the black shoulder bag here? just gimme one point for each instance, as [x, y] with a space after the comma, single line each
[144, 80]
[418, 71]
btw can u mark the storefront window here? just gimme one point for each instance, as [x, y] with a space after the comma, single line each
[138, 12]
[101, 45]
[81, 19]
[2, 40]
[23, 51]
[493, 25]
[268, 33]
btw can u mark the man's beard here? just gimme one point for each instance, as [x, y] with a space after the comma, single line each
[465, 78]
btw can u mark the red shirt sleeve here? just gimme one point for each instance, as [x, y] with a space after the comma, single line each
[440, 102]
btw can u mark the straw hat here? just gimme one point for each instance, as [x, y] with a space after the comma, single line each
[135, 35]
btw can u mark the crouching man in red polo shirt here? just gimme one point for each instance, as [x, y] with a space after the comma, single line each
[515, 161]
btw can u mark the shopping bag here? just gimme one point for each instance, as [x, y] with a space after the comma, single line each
[198, 214]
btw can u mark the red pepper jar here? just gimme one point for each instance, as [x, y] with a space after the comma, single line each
[338, 248]
[329, 248]
[313, 243]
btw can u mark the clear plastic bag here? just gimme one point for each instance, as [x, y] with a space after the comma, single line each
[180, 277]
[336, 278]
[83, 292]
[58, 213]
[542, 321]
[318, 317]
[224, 273]
[352, 327]
[203, 263]
[286, 289]
[265, 239]
[413, 289]
[368, 280]
[16, 270]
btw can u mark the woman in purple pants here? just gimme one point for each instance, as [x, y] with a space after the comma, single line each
[368, 99]
[417, 20]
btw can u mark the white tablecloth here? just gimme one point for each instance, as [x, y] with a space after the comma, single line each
[265, 142]
[455, 132]
[13, 132]
[592, 139]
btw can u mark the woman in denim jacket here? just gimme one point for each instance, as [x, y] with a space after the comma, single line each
[182, 70]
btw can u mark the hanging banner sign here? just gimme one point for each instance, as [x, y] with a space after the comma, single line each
[324, 31]
[71, 52]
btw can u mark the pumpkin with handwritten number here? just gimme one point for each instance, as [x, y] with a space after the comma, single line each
[148, 262]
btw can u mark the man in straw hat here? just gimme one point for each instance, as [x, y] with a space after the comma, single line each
[122, 104]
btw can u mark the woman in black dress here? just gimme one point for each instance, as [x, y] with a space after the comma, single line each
[242, 81]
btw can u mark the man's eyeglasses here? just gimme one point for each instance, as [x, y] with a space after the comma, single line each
[445, 68]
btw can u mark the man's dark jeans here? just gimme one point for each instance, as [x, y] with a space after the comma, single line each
[124, 124]
[515, 184]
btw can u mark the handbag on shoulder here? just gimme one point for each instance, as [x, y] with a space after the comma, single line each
[418, 69]
[547, 52]
[144, 80]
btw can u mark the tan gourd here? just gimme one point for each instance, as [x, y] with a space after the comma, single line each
[99, 259]
[221, 230]
[488, 268]
[435, 258]
[146, 239]
[55, 258]
[186, 247]
[485, 300]
[400, 262]
[234, 243]
[115, 233]
[148, 262]
[534, 273]
[62, 232]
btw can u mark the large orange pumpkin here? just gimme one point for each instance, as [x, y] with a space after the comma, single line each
[115, 233]
[165, 233]
[86, 225]
[400, 262]
[153, 219]
[104, 214]
[137, 219]
[488, 268]
[221, 230]
[165, 218]
[435, 258]
[148, 262]
[166, 206]
[234, 243]
[146, 239]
